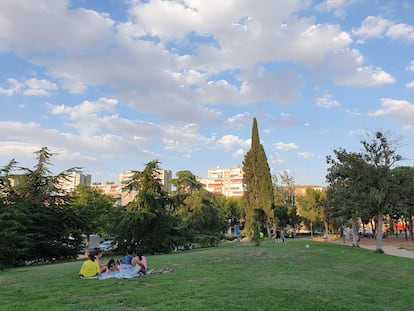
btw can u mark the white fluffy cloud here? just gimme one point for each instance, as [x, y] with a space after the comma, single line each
[228, 142]
[411, 66]
[398, 110]
[306, 155]
[372, 27]
[365, 77]
[152, 77]
[14, 87]
[378, 27]
[173, 78]
[326, 101]
[30, 87]
[36, 87]
[285, 146]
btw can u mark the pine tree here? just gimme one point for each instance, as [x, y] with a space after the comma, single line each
[147, 220]
[36, 219]
[258, 189]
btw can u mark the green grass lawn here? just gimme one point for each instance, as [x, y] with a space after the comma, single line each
[232, 276]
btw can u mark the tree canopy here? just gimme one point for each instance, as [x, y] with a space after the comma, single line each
[361, 184]
[39, 223]
[258, 197]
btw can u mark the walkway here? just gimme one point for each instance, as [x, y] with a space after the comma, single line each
[391, 246]
[392, 250]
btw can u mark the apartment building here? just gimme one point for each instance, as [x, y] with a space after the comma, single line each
[73, 179]
[226, 181]
[111, 189]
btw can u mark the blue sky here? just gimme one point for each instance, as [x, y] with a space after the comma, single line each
[111, 85]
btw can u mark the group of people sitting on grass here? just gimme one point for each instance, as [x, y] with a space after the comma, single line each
[129, 266]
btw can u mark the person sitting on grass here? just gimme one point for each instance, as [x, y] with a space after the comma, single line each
[112, 267]
[90, 268]
[98, 257]
[139, 263]
[127, 260]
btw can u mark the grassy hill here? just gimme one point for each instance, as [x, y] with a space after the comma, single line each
[232, 276]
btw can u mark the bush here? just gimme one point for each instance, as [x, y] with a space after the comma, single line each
[206, 240]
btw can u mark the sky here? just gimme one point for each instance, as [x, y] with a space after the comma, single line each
[110, 85]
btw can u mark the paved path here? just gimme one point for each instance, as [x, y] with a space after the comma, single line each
[392, 250]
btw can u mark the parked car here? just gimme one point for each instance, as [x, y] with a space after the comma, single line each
[108, 245]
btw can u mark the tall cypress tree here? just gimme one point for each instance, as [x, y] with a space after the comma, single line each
[258, 189]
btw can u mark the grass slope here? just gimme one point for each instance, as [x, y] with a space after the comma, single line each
[232, 276]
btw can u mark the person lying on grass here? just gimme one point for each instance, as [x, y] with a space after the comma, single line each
[90, 267]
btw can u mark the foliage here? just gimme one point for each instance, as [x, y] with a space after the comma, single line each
[256, 233]
[233, 210]
[185, 183]
[403, 190]
[95, 210]
[147, 220]
[285, 203]
[204, 216]
[258, 197]
[361, 184]
[39, 224]
[201, 213]
[312, 206]
[13, 238]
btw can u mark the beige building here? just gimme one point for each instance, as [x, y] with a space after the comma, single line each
[73, 179]
[226, 181]
[111, 189]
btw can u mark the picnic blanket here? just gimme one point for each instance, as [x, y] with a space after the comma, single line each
[126, 272]
[129, 272]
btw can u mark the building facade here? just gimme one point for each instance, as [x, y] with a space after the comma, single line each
[74, 179]
[225, 181]
[111, 189]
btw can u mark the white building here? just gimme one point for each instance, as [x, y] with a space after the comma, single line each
[73, 179]
[226, 181]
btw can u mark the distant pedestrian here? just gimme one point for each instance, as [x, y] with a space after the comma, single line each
[347, 234]
[282, 236]
[277, 236]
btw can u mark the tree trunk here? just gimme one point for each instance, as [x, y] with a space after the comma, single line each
[311, 230]
[326, 225]
[355, 236]
[269, 232]
[372, 228]
[405, 222]
[269, 225]
[379, 233]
